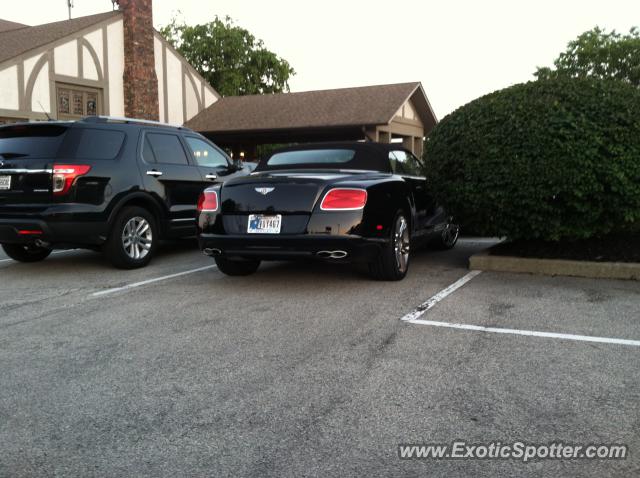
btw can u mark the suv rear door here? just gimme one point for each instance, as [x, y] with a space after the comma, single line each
[169, 174]
[27, 155]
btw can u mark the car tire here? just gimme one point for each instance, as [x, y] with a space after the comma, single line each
[232, 267]
[448, 237]
[26, 253]
[133, 239]
[393, 262]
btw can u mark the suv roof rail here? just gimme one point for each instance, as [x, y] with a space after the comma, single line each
[122, 119]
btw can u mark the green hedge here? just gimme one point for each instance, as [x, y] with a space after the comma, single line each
[552, 160]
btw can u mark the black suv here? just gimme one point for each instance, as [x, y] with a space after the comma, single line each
[112, 184]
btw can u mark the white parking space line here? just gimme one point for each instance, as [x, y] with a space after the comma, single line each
[422, 308]
[149, 281]
[54, 252]
[530, 333]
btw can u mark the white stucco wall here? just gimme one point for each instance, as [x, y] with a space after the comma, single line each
[41, 94]
[115, 35]
[209, 97]
[192, 97]
[90, 69]
[157, 49]
[174, 87]
[66, 59]
[9, 88]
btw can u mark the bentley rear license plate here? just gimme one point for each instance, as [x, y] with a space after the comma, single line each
[5, 183]
[261, 224]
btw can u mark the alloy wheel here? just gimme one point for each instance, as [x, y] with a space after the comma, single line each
[401, 244]
[137, 238]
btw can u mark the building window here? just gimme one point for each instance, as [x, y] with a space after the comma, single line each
[78, 101]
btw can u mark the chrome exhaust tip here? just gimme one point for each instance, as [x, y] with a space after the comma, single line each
[332, 254]
[211, 251]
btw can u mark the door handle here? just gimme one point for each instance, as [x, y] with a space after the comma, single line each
[154, 173]
[212, 177]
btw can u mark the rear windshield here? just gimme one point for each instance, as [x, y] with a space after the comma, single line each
[31, 141]
[312, 157]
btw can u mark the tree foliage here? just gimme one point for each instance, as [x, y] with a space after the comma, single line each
[230, 58]
[550, 159]
[599, 54]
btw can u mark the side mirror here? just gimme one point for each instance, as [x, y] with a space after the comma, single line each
[238, 164]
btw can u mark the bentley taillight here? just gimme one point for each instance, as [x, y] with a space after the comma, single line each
[208, 201]
[344, 199]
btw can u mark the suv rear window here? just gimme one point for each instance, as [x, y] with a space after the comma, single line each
[166, 148]
[31, 141]
[99, 144]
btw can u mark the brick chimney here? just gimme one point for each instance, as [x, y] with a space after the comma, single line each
[140, 80]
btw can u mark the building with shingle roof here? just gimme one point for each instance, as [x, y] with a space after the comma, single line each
[383, 113]
[115, 63]
[88, 66]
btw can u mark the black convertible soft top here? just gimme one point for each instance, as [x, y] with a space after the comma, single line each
[368, 156]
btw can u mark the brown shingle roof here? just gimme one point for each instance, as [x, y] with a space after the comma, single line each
[367, 105]
[19, 41]
[6, 25]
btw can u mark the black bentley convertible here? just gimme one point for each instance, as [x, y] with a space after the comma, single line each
[341, 202]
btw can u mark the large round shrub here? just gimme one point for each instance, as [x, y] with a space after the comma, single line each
[554, 159]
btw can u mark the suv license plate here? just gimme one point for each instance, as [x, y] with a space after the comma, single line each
[5, 183]
[261, 224]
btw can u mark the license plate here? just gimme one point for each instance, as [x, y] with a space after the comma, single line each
[261, 224]
[5, 183]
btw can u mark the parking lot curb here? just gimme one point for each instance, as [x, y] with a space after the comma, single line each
[483, 261]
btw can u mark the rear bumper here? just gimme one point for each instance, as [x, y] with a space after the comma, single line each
[23, 231]
[299, 246]
[55, 229]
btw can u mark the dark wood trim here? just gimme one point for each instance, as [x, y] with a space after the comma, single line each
[21, 92]
[80, 58]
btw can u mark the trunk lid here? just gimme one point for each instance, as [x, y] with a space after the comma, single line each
[277, 192]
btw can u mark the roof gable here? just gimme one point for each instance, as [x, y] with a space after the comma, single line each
[362, 106]
[15, 42]
[6, 25]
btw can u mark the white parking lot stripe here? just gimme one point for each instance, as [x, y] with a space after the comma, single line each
[149, 281]
[531, 333]
[422, 308]
[54, 252]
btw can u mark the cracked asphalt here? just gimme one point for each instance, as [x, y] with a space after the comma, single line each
[305, 369]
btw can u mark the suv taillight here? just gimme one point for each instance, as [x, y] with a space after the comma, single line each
[344, 199]
[65, 174]
[208, 201]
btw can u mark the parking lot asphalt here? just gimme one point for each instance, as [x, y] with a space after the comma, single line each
[305, 369]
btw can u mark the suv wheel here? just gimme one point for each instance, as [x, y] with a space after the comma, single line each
[133, 239]
[26, 253]
[393, 262]
[236, 267]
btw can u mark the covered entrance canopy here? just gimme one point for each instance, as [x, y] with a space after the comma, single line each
[376, 113]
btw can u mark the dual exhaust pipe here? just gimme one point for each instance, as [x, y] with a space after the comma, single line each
[331, 254]
[213, 252]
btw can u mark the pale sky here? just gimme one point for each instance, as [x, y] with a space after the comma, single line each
[458, 49]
